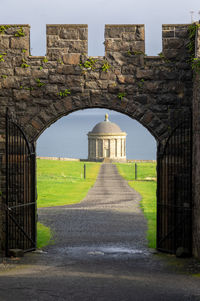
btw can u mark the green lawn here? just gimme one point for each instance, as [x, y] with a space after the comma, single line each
[62, 182]
[145, 171]
[147, 189]
[43, 235]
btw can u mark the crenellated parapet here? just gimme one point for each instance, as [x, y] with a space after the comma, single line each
[150, 89]
[147, 88]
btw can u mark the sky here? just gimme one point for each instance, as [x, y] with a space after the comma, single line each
[97, 13]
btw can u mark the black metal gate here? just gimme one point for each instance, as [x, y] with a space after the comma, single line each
[20, 189]
[174, 191]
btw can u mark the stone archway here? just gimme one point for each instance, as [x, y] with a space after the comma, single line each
[156, 91]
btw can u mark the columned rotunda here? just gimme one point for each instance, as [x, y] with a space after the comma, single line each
[107, 142]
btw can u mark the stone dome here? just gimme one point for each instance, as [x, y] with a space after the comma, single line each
[106, 127]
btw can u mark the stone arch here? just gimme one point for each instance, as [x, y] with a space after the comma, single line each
[39, 122]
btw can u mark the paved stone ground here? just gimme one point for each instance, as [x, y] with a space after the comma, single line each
[100, 254]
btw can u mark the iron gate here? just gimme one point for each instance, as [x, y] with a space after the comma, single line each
[20, 189]
[174, 191]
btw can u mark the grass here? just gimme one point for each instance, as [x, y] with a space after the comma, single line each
[148, 205]
[62, 182]
[147, 189]
[145, 170]
[43, 235]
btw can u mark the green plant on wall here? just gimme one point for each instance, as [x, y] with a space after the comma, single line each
[64, 93]
[106, 66]
[24, 64]
[141, 83]
[2, 57]
[121, 95]
[135, 52]
[3, 76]
[161, 55]
[27, 88]
[195, 62]
[89, 64]
[39, 83]
[60, 61]
[3, 28]
[45, 60]
[20, 32]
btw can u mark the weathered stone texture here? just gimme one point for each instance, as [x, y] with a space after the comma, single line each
[150, 87]
[196, 156]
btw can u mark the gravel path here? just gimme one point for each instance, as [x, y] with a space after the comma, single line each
[99, 254]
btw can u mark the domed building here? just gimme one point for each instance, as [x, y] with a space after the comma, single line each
[107, 142]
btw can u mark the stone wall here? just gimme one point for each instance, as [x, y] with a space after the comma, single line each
[156, 91]
[196, 156]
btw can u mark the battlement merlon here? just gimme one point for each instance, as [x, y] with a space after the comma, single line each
[69, 41]
[124, 38]
[175, 40]
[15, 37]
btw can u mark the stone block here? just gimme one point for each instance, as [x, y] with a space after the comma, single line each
[67, 103]
[92, 75]
[128, 79]
[174, 43]
[57, 79]
[83, 33]
[128, 70]
[65, 69]
[37, 124]
[7, 71]
[182, 33]
[142, 99]
[73, 81]
[20, 43]
[71, 58]
[53, 41]
[130, 32]
[168, 34]
[107, 75]
[147, 118]
[4, 42]
[52, 89]
[10, 82]
[41, 74]
[113, 32]
[78, 46]
[69, 33]
[21, 95]
[53, 29]
[145, 73]
[55, 54]
[92, 85]
[152, 86]
[22, 71]
[37, 93]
